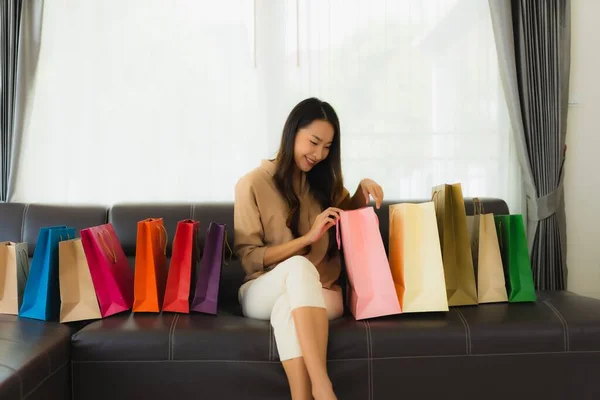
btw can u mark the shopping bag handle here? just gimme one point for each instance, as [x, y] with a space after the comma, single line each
[226, 241]
[164, 237]
[196, 240]
[60, 237]
[477, 206]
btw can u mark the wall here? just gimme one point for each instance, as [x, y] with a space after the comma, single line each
[582, 179]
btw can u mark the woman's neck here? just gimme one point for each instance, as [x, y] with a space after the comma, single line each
[299, 179]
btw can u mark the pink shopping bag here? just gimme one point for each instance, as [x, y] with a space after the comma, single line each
[371, 292]
[109, 268]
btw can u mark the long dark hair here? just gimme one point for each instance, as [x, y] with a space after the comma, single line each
[324, 179]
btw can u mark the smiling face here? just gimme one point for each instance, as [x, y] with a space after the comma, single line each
[312, 144]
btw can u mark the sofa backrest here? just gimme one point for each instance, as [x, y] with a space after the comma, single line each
[22, 222]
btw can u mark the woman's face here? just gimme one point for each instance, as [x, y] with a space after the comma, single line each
[312, 144]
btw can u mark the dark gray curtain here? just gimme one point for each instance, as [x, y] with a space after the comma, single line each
[533, 42]
[20, 36]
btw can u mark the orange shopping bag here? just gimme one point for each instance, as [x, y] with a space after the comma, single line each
[150, 275]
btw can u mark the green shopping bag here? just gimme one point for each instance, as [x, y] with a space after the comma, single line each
[515, 258]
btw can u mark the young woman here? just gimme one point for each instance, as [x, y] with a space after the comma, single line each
[284, 212]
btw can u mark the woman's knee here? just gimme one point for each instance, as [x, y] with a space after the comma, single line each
[300, 266]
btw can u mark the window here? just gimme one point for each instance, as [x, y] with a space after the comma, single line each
[161, 100]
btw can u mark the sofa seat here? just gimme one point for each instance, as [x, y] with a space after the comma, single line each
[154, 355]
[34, 359]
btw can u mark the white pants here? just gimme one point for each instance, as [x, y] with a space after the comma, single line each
[272, 296]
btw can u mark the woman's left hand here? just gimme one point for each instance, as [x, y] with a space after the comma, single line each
[369, 189]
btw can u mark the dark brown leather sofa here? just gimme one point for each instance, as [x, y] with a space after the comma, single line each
[544, 350]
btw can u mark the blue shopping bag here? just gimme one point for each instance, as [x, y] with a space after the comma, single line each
[41, 299]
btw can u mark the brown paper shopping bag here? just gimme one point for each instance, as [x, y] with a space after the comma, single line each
[487, 260]
[456, 248]
[77, 293]
[14, 269]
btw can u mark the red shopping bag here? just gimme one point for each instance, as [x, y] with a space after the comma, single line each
[184, 258]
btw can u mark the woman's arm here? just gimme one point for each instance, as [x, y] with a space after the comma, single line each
[254, 255]
[248, 229]
[366, 189]
[281, 252]
[323, 222]
[358, 199]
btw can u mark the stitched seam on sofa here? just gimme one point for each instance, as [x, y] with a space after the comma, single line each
[13, 341]
[47, 354]
[274, 346]
[44, 380]
[176, 319]
[467, 329]
[72, 383]
[563, 321]
[8, 366]
[270, 342]
[23, 222]
[171, 337]
[345, 359]
[18, 377]
[370, 362]
[368, 359]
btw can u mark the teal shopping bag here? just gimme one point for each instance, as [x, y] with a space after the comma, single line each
[515, 258]
[41, 299]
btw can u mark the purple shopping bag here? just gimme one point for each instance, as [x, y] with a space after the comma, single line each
[206, 294]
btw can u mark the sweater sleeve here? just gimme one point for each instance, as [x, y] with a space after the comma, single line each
[344, 200]
[248, 229]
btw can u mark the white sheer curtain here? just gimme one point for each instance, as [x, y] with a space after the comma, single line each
[162, 100]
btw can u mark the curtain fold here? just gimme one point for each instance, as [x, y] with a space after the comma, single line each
[20, 31]
[533, 44]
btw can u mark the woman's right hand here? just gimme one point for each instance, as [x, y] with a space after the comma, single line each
[322, 223]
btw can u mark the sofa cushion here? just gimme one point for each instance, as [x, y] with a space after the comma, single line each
[485, 329]
[580, 319]
[34, 358]
[373, 357]
[228, 337]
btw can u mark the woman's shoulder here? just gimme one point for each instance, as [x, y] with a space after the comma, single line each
[257, 177]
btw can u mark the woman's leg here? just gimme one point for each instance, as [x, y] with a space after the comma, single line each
[299, 317]
[298, 379]
[312, 327]
[289, 349]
